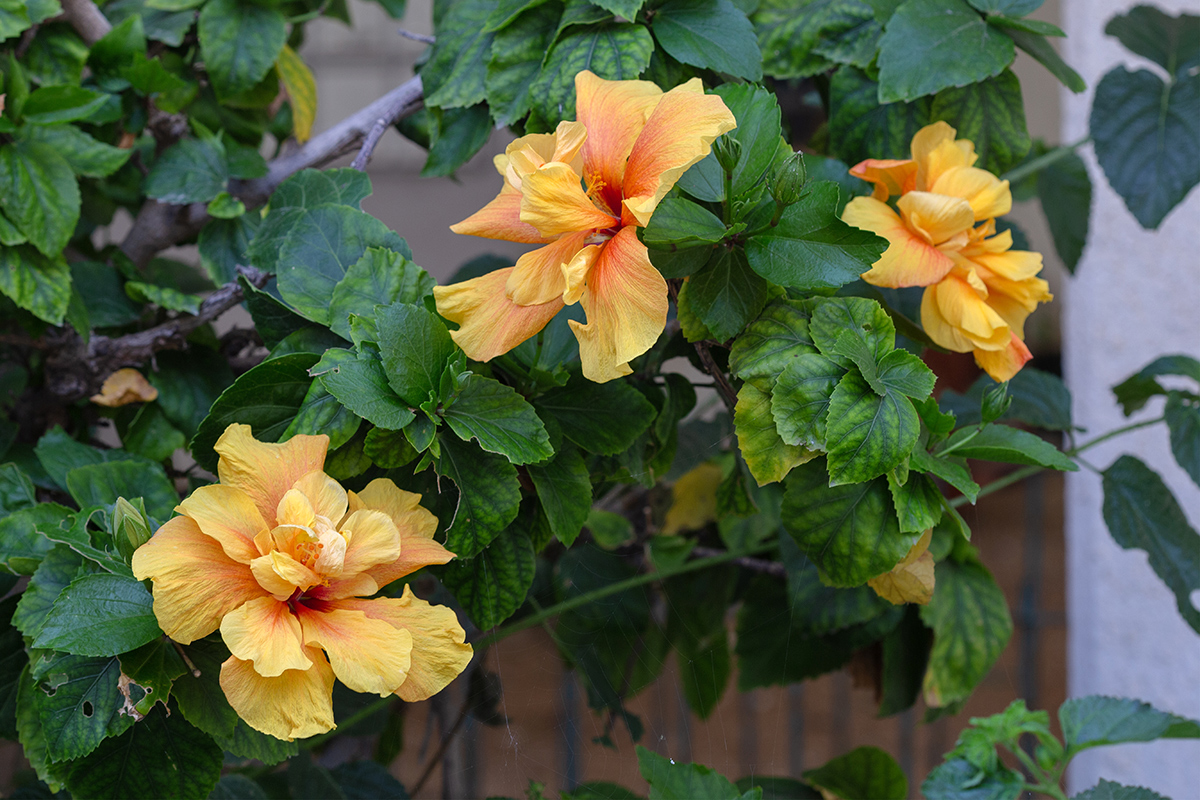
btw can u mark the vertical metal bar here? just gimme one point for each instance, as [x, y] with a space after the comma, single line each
[1031, 589]
[795, 701]
[568, 724]
[748, 746]
[906, 728]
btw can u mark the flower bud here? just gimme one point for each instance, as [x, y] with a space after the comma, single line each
[728, 151]
[788, 179]
[995, 402]
[130, 529]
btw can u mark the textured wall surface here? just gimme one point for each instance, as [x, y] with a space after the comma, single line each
[1135, 296]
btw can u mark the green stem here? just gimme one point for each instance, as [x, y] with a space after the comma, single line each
[727, 205]
[1115, 432]
[540, 617]
[1045, 783]
[1041, 162]
[959, 443]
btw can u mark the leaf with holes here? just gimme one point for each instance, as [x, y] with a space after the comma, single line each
[79, 704]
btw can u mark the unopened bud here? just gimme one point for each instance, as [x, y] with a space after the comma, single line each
[788, 179]
[728, 151]
[130, 529]
[995, 402]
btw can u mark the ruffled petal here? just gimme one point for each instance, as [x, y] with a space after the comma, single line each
[327, 496]
[360, 585]
[228, 515]
[489, 323]
[295, 510]
[988, 195]
[265, 632]
[890, 176]
[439, 651]
[938, 327]
[935, 150]
[405, 509]
[294, 705]
[575, 273]
[263, 470]
[1002, 365]
[195, 582]
[962, 307]
[614, 113]
[679, 132]
[371, 539]
[281, 574]
[538, 276]
[529, 153]
[501, 219]
[553, 201]
[626, 305]
[368, 655]
[937, 218]
[909, 259]
[263, 569]
[1014, 265]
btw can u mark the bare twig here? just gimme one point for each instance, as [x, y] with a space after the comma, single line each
[763, 565]
[77, 369]
[402, 104]
[724, 389]
[417, 37]
[87, 20]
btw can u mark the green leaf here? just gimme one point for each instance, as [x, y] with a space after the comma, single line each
[1171, 42]
[35, 282]
[56, 56]
[1037, 46]
[769, 458]
[1098, 720]
[791, 34]
[861, 127]
[39, 194]
[499, 419]
[778, 788]
[671, 781]
[85, 155]
[50, 105]
[456, 134]
[168, 26]
[79, 704]
[1183, 421]
[918, 503]
[14, 19]
[1010, 446]
[1134, 391]
[489, 495]
[865, 773]
[379, 277]
[161, 756]
[188, 384]
[820, 610]
[153, 667]
[614, 51]
[191, 171]
[239, 43]
[360, 384]
[1012, 8]
[905, 652]
[1147, 139]
[1065, 191]
[309, 188]
[516, 61]
[226, 206]
[454, 74]
[388, 449]
[849, 531]
[266, 398]
[857, 42]
[800, 399]
[58, 568]
[727, 294]
[682, 223]
[991, 114]
[492, 585]
[811, 248]
[1141, 513]
[921, 51]
[102, 484]
[602, 418]
[22, 545]
[710, 34]
[163, 296]
[867, 435]
[415, 346]
[99, 615]
[1109, 790]
[904, 373]
[565, 490]
[322, 412]
[771, 342]
[971, 626]
[959, 779]
[16, 490]
[236, 787]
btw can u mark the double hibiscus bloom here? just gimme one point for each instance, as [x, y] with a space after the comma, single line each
[978, 290]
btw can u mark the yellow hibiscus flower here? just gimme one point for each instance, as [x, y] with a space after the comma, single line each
[277, 556]
[979, 291]
[628, 147]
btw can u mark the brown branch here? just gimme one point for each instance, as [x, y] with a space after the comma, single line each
[402, 103]
[724, 388]
[77, 369]
[763, 565]
[87, 20]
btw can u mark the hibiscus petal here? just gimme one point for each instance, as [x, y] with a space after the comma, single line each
[935, 217]
[890, 176]
[327, 496]
[553, 201]
[501, 219]
[281, 574]
[962, 307]
[528, 153]
[909, 259]
[228, 515]
[575, 273]
[988, 195]
[266, 632]
[439, 651]
[1002, 365]
[371, 538]
[263, 470]
[935, 150]
[295, 510]
[538, 276]
[1014, 265]
[626, 306]
[195, 582]
[296, 704]
[489, 323]
[614, 113]
[368, 655]
[938, 327]
[410, 517]
[679, 132]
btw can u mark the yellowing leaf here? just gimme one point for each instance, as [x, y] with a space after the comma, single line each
[693, 499]
[910, 581]
[767, 455]
[123, 387]
[301, 89]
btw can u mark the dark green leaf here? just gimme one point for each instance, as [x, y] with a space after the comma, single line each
[820, 610]
[360, 384]
[266, 398]
[153, 667]
[1037, 46]
[102, 484]
[1141, 513]
[602, 418]
[188, 384]
[58, 568]
[499, 419]
[39, 194]
[681, 222]
[16, 490]
[456, 134]
[671, 781]
[959, 779]
[918, 503]
[516, 60]
[1109, 790]
[778, 788]
[791, 33]
[800, 399]
[759, 134]
[86, 155]
[224, 244]
[904, 657]
[1065, 191]
[1134, 391]
[56, 56]
[99, 615]
[991, 114]
[239, 43]
[727, 294]
[921, 51]
[565, 489]
[415, 347]
[1183, 421]
[1147, 140]
[849, 531]
[867, 435]
[492, 585]
[971, 626]
[454, 74]
[380, 277]
[1012, 8]
[861, 127]
[811, 248]
[79, 704]
[236, 787]
[313, 187]
[321, 412]
[711, 34]
[768, 344]
[166, 26]
[1171, 42]
[50, 105]
[367, 780]
[22, 545]
[1098, 720]
[35, 282]
[1010, 446]
[489, 495]
[192, 171]
[865, 773]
